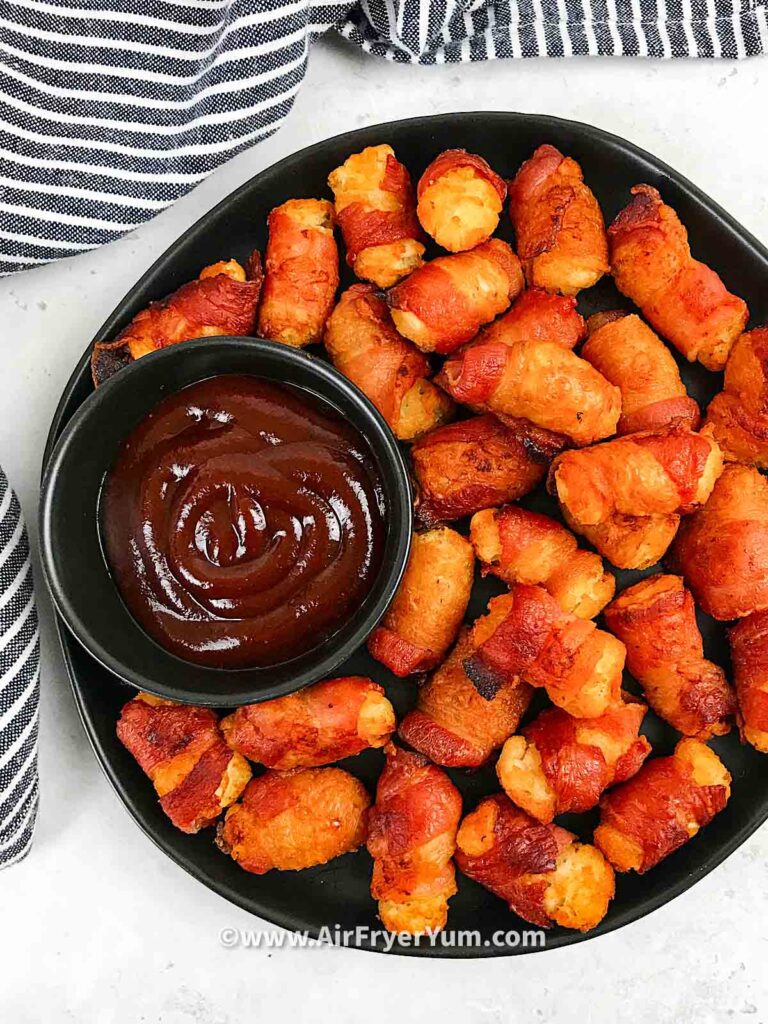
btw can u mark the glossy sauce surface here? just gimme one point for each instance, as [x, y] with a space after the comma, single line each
[243, 522]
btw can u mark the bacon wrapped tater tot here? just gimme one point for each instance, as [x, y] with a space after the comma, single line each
[749, 656]
[445, 302]
[460, 199]
[182, 750]
[538, 381]
[662, 807]
[322, 723]
[221, 301]
[376, 211]
[474, 464]
[558, 225]
[561, 764]
[364, 345]
[738, 417]
[302, 272]
[428, 608]
[626, 496]
[520, 546]
[452, 724]
[542, 871]
[412, 837]
[538, 315]
[526, 635]
[293, 820]
[656, 621]
[628, 354]
[684, 300]
[722, 550]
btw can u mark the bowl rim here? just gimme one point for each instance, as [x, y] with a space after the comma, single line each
[373, 429]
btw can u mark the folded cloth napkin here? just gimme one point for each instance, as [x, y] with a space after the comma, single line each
[19, 683]
[112, 109]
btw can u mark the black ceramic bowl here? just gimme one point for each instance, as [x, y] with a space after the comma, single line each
[76, 569]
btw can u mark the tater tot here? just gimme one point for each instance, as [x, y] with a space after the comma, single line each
[538, 315]
[561, 764]
[376, 211]
[445, 302]
[628, 354]
[221, 301]
[658, 810]
[558, 225]
[526, 635]
[412, 837]
[452, 724]
[737, 417]
[473, 464]
[520, 546]
[293, 820]
[322, 723]
[364, 345]
[428, 608]
[542, 871]
[302, 272]
[182, 750]
[656, 621]
[683, 299]
[538, 381]
[722, 549]
[626, 496]
[460, 199]
[749, 657]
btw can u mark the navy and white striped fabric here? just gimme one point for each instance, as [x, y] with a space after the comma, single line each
[19, 683]
[112, 109]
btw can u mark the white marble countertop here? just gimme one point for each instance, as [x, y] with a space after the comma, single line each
[99, 926]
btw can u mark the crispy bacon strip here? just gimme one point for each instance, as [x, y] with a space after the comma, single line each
[562, 764]
[452, 724]
[475, 464]
[545, 875]
[626, 496]
[749, 656]
[628, 354]
[222, 301]
[288, 821]
[412, 837]
[684, 300]
[538, 315]
[662, 807]
[445, 302]
[520, 546]
[364, 345]
[538, 381]
[376, 211]
[320, 724]
[428, 608]
[460, 199]
[558, 224]
[181, 749]
[722, 550]
[738, 417]
[656, 621]
[302, 272]
[526, 635]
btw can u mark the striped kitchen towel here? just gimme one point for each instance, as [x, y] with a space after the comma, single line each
[19, 683]
[112, 109]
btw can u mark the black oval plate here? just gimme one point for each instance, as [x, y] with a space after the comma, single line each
[337, 894]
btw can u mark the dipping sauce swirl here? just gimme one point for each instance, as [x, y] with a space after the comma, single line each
[243, 522]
